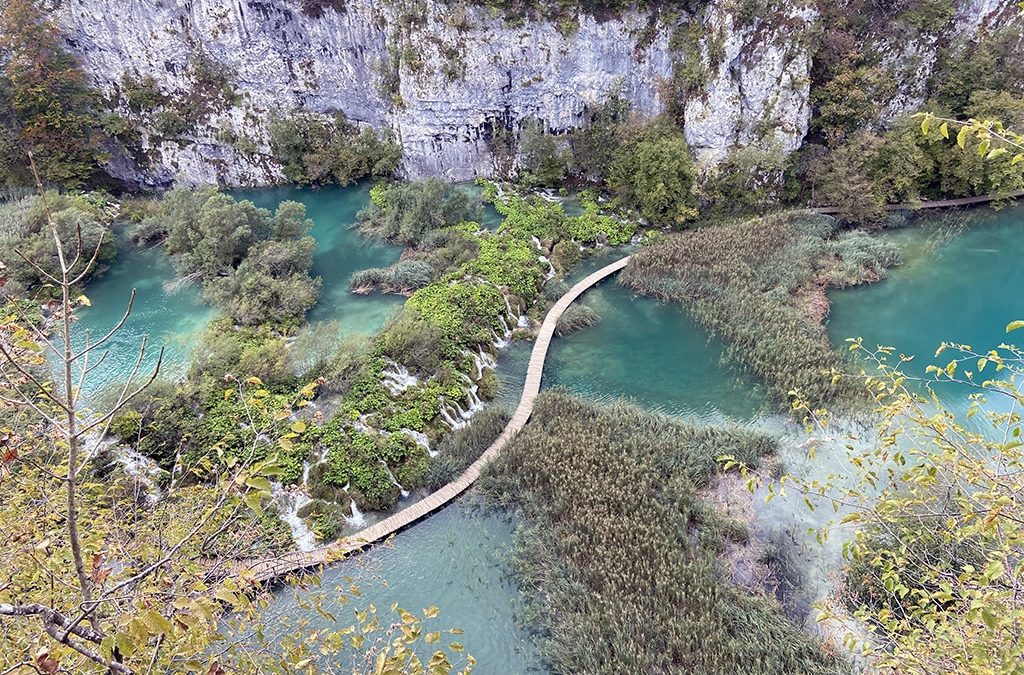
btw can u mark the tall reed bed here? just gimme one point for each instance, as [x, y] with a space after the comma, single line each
[617, 556]
[755, 284]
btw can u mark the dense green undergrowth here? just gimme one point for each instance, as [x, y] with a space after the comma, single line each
[759, 284]
[388, 401]
[617, 555]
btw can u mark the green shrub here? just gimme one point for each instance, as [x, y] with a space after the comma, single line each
[655, 174]
[408, 212]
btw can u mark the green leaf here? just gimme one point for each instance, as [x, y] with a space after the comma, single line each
[925, 124]
[1014, 325]
[944, 130]
[252, 500]
[156, 622]
[259, 483]
[961, 138]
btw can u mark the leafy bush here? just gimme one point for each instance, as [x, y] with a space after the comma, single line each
[542, 162]
[608, 511]
[312, 149]
[655, 174]
[408, 212]
[466, 314]
[508, 262]
[24, 229]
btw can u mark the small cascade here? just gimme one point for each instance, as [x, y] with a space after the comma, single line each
[508, 307]
[501, 341]
[475, 404]
[536, 242]
[551, 268]
[421, 440]
[451, 419]
[523, 321]
[357, 519]
[483, 360]
[361, 425]
[394, 481]
[289, 503]
[143, 470]
[397, 378]
[307, 466]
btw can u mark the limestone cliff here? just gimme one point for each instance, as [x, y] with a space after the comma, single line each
[445, 77]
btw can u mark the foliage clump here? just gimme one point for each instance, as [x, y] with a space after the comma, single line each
[609, 511]
[408, 212]
[755, 283]
[254, 264]
[25, 230]
[314, 150]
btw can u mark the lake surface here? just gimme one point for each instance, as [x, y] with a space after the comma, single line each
[453, 560]
[962, 281]
[175, 319]
[965, 288]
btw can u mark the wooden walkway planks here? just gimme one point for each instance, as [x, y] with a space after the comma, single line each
[267, 570]
[937, 204]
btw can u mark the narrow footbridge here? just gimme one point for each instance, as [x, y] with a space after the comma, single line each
[269, 569]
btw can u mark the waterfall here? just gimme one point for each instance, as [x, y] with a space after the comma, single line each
[483, 360]
[306, 466]
[508, 306]
[357, 519]
[289, 502]
[523, 322]
[394, 481]
[421, 440]
[449, 419]
[551, 268]
[398, 378]
[141, 469]
[536, 242]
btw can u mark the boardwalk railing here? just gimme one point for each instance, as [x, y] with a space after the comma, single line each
[269, 569]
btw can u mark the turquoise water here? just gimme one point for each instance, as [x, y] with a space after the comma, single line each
[340, 252]
[454, 561]
[653, 354]
[172, 319]
[956, 286]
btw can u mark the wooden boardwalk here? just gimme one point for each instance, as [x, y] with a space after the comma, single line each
[270, 569]
[937, 204]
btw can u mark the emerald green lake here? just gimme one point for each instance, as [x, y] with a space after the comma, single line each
[174, 319]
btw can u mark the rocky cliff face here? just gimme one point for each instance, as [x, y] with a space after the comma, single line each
[446, 78]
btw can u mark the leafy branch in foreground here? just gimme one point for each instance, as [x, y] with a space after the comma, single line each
[994, 140]
[932, 513]
[109, 564]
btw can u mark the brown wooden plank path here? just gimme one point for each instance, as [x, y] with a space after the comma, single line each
[937, 204]
[269, 569]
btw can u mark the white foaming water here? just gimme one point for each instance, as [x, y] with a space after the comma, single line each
[306, 466]
[452, 419]
[551, 268]
[394, 481]
[141, 469]
[421, 440]
[483, 360]
[397, 378]
[289, 502]
[523, 321]
[357, 519]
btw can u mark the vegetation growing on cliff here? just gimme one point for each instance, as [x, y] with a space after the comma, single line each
[314, 150]
[609, 508]
[46, 106]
